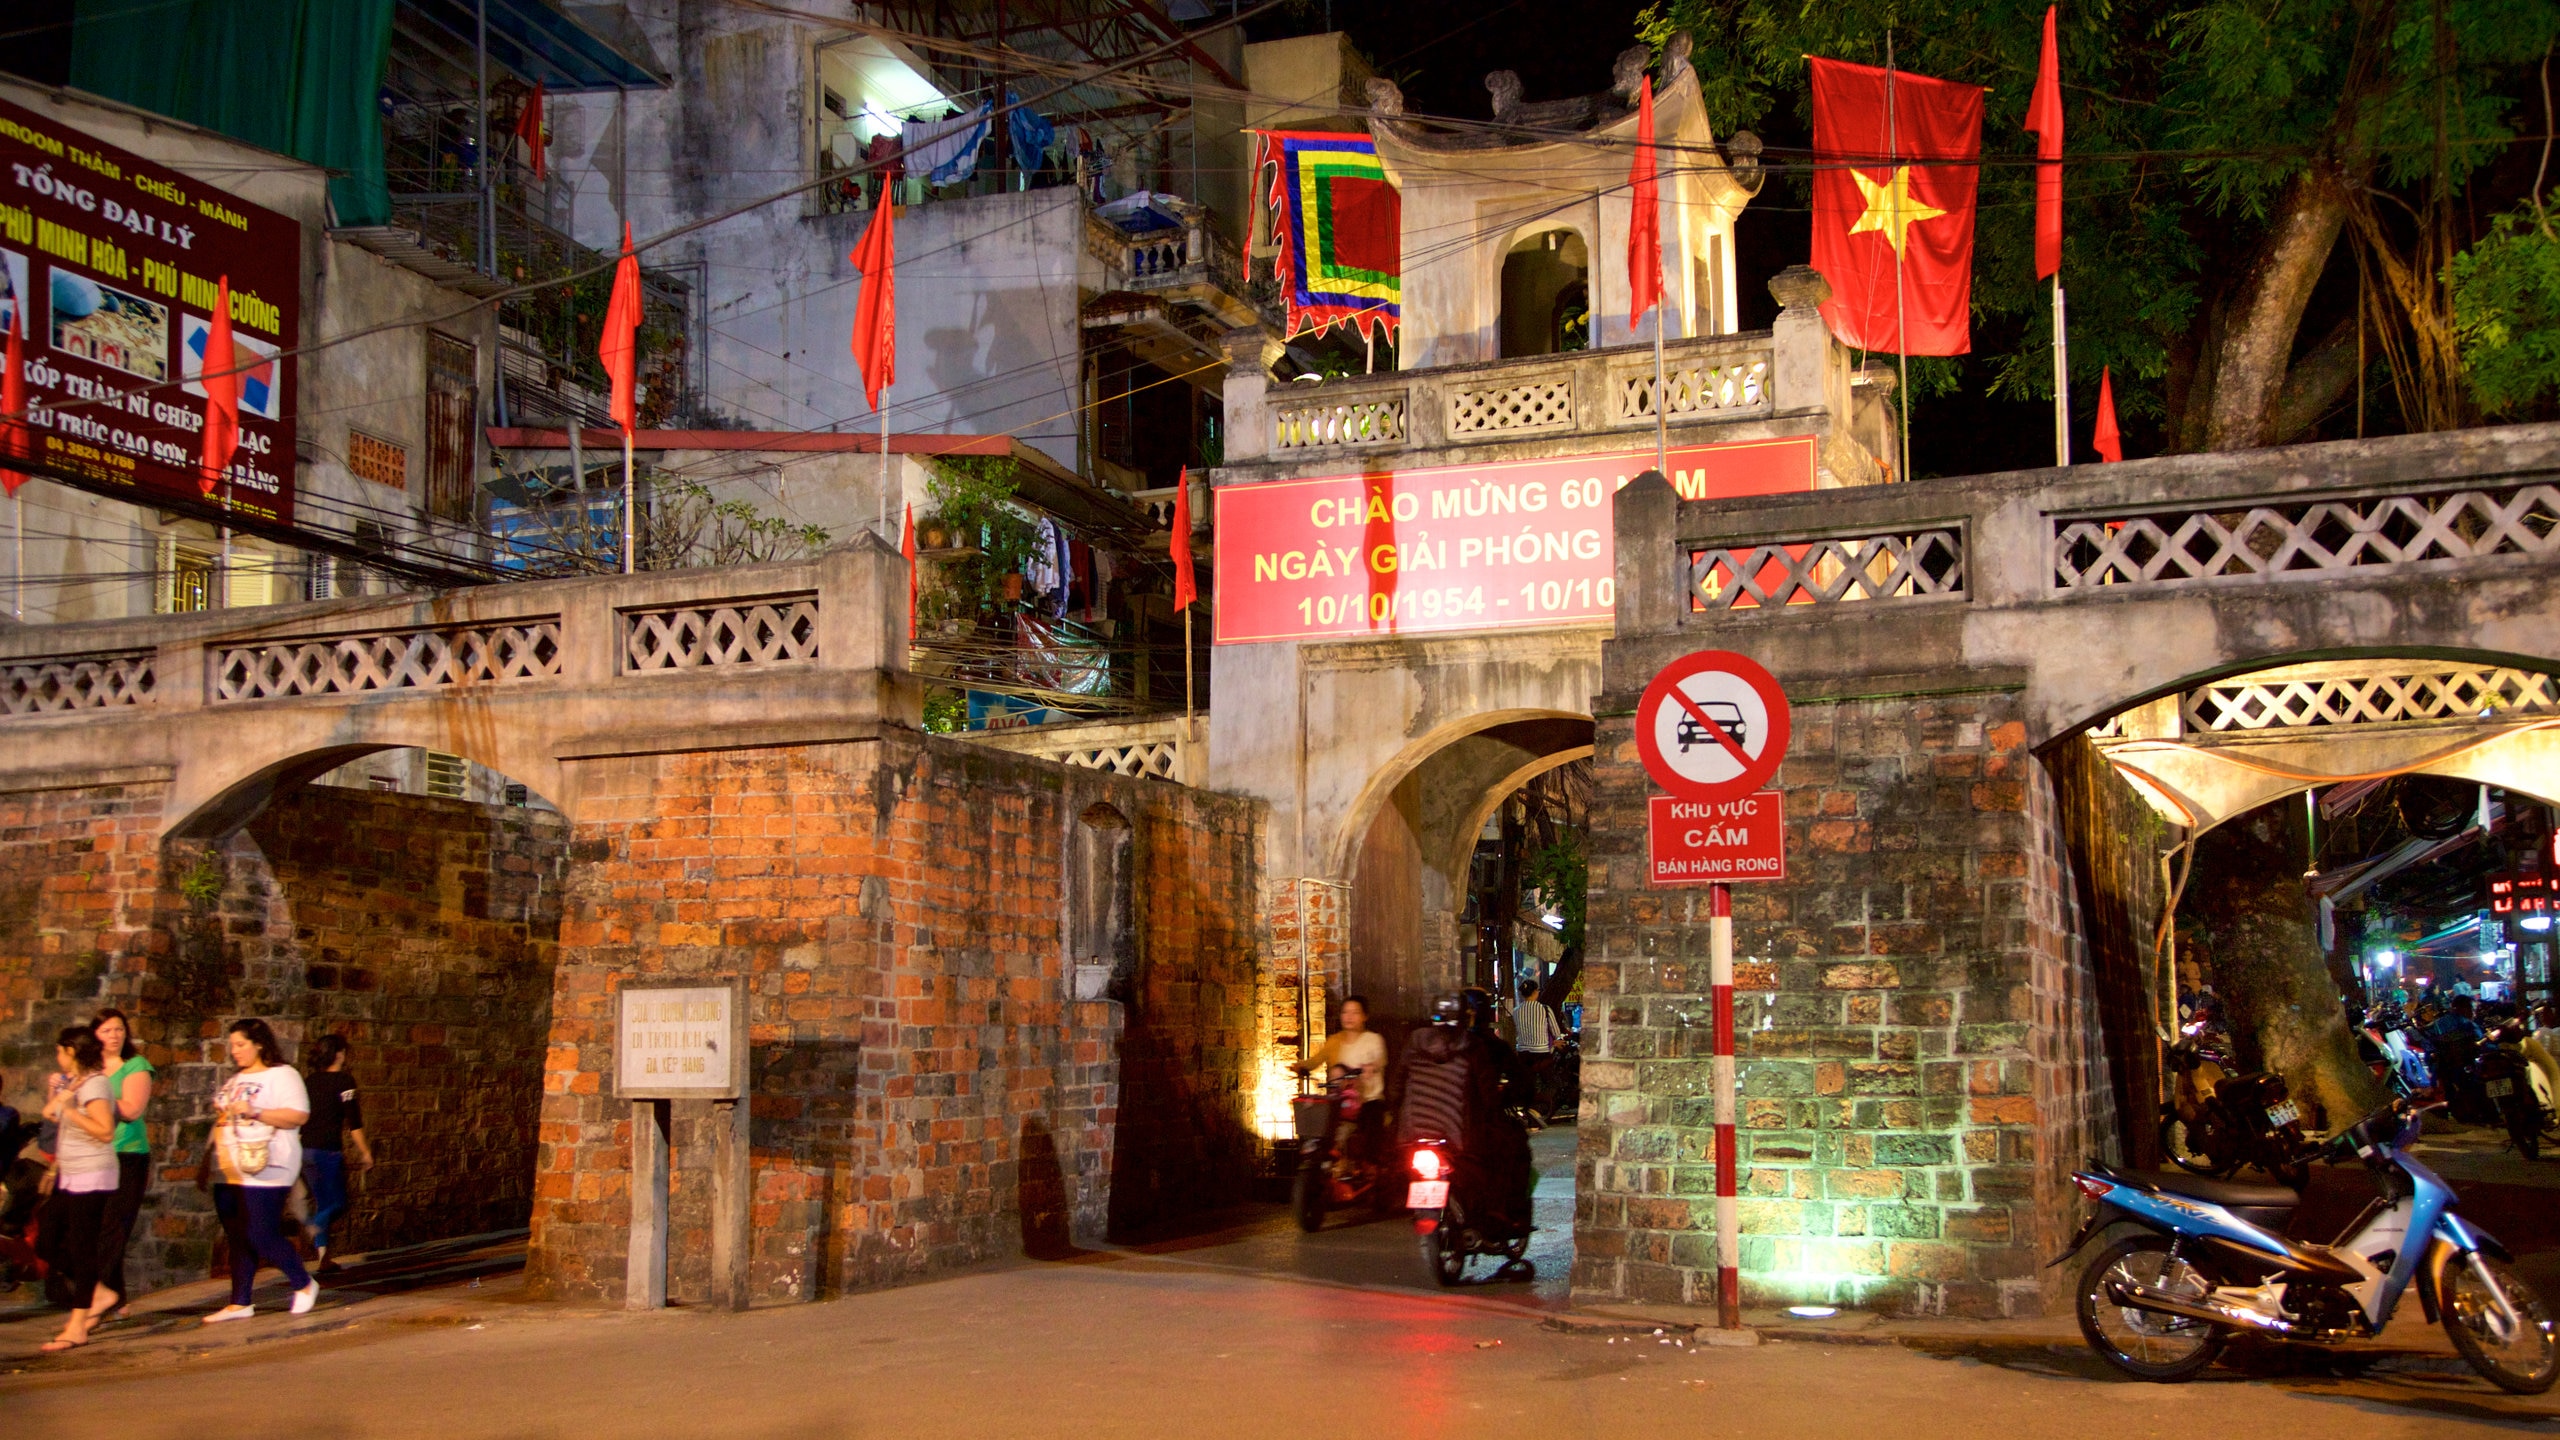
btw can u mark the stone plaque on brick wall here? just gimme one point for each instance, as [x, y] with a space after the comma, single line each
[681, 1042]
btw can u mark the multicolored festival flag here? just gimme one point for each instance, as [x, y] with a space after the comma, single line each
[1339, 227]
[1892, 232]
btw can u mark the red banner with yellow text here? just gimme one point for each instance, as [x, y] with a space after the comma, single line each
[1454, 547]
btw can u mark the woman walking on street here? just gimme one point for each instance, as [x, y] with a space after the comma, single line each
[337, 1121]
[129, 1082]
[84, 1181]
[257, 1152]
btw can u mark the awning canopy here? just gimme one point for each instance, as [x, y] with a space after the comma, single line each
[538, 43]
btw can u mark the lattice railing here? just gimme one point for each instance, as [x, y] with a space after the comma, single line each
[1696, 388]
[2406, 693]
[1528, 406]
[423, 659]
[1910, 565]
[1372, 420]
[1156, 759]
[50, 683]
[779, 631]
[2205, 542]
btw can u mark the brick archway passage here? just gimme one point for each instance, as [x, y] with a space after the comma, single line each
[732, 755]
[1922, 1052]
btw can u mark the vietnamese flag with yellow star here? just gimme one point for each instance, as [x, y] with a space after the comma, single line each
[1893, 232]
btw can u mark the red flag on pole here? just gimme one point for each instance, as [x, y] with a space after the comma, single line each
[2110, 445]
[13, 401]
[2044, 117]
[620, 347]
[1185, 588]
[1894, 237]
[529, 128]
[221, 381]
[907, 547]
[875, 311]
[1644, 224]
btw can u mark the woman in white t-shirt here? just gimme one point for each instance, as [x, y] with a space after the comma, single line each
[257, 1154]
[84, 1174]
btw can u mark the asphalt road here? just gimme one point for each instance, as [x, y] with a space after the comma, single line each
[1249, 1329]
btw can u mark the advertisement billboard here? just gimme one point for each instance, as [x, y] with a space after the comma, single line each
[1494, 546]
[112, 264]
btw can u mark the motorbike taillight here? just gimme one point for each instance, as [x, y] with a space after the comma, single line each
[1427, 1163]
[2093, 1187]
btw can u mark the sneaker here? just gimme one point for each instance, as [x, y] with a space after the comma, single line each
[230, 1312]
[306, 1297]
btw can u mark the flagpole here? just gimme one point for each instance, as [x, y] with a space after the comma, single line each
[630, 493]
[1661, 401]
[18, 507]
[884, 471]
[1901, 317]
[2061, 380]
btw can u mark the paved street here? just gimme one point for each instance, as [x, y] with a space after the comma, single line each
[1244, 1329]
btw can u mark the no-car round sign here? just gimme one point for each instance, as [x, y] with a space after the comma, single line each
[1712, 726]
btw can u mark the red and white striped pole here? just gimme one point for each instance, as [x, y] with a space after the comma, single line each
[1728, 1168]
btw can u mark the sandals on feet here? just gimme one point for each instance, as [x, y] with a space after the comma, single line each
[231, 1312]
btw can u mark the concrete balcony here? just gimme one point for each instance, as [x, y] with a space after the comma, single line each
[1788, 380]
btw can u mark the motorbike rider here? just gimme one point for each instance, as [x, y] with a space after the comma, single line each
[1453, 1087]
[1353, 1046]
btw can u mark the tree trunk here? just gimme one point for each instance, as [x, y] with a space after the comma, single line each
[2258, 932]
[2252, 349]
[2319, 383]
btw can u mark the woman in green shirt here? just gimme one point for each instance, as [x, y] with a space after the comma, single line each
[129, 1084]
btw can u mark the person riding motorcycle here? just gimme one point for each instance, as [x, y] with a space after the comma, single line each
[1354, 1047]
[1454, 1087]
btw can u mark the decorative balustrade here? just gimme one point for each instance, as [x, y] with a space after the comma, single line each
[1349, 420]
[1719, 379]
[77, 682]
[1698, 387]
[1146, 749]
[406, 659]
[2325, 695]
[2216, 540]
[1491, 406]
[731, 633]
[1907, 565]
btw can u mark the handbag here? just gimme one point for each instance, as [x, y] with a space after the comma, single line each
[250, 1156]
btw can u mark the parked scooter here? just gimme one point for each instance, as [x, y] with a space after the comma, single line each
[2222, 1121]
[2160, 1305]
[1330, 1175]
[2506, 1081]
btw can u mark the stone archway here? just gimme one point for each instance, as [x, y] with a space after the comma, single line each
[1410, 846]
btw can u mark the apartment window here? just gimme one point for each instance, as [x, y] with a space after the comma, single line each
[378, 460]
[447, 775]
[453, 403]
[186, 577]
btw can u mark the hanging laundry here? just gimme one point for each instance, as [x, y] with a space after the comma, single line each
[946, 151]
[1080, 592]
[1032, 134]
[884, 150]
[1040, 569]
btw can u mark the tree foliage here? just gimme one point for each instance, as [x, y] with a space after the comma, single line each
[2506, 311]
[2218, 149]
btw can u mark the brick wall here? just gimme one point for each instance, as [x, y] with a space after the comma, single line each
[928, 1093]
[1909, 1007]
[420, 928]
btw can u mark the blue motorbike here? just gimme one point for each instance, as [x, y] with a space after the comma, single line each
[2215, 1263]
